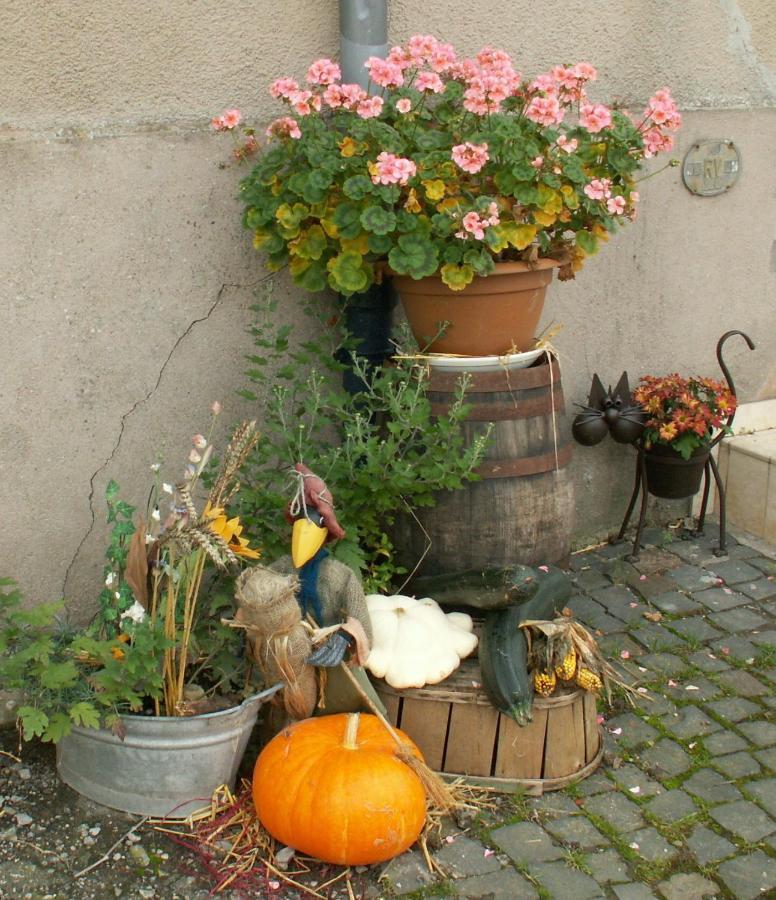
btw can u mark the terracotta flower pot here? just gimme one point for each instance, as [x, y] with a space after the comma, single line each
[491, 316]
[672, 477]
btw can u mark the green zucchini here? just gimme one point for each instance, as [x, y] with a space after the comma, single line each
[503, 656]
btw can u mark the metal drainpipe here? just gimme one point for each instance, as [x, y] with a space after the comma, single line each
[363, 33]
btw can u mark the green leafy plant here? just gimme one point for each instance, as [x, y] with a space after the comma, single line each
[445, 165]
[382, 452]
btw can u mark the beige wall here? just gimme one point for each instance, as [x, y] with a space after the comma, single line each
[125, 279]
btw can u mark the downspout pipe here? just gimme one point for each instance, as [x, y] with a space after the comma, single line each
[363, 33]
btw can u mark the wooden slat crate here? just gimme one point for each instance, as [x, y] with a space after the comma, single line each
[460, 733]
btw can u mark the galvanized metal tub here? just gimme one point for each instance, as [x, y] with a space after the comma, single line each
[165, 766]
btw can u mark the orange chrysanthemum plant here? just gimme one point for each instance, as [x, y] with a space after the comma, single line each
[684, 413]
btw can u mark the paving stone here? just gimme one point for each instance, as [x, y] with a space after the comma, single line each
[652, 846]
[561, 880]
[614, 550]
[737, 765]
[553, 804]
[671, 806]
[696, 628]
[591, 580]
[768, 566]
[615, 594]
[740, 619]
[734, 709]
[707, 661]
[594, 615]
[692, 578]
[724, 742]
[526, 842]
[747, 877]
[630, 776]
[675, 604]
[597, 783]
[665, 663]
[744, 819]
[742, 683]
[735, 571]
[630, 612]
[770, 702]
[711, 787]
[617, 810]
[762, 589]
[577, 831]
[612, 645]
[734, 647]
[407, 873]
[659, 705]
[635, 730]
[764, 792]
[767, 758]
[464, 857]
[649, 586]
[607, 867]
[718, 599]
[690, 552]
[632, 891]
[764, 638]
[695, 689]
[666, 759]
[655, 637]
[657, 558]
[504, 885]
[684, 886]
[707, 846]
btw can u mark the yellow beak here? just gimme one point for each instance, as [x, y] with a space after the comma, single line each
[306, 540]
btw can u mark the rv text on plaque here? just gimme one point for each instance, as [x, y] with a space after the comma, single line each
[711, 167]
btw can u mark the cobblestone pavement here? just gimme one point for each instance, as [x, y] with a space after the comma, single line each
[683, 807]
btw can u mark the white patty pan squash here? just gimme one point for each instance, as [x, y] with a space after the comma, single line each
[414, 642]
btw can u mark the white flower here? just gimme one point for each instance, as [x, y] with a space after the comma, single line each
[110, 579]
[136, 613]
[149, 538]
[156, 515]
[215, 406]
[194, 457]
[156, 466]
[167, 488]
[117, 595]
[199, 441]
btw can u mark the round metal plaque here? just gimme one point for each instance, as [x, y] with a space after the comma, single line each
[711, 167]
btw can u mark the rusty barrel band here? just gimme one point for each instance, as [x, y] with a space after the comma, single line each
[520, 409]
[526, 465]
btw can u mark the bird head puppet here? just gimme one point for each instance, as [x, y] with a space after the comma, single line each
[312, 517]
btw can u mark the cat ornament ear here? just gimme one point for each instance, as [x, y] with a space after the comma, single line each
[612, 412]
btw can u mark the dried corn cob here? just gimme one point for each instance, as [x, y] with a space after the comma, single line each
[568, 666]
[545, 683]
[588, 680]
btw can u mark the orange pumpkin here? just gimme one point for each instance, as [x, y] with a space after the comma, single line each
[332, 787]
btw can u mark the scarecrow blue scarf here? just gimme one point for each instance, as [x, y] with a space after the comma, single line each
[308, 598]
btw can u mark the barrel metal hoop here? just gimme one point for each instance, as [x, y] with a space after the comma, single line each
[496, 382]
[504, 412]
[527, 465]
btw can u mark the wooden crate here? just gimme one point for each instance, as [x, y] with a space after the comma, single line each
[461, 733]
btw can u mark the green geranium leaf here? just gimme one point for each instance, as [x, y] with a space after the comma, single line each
[59, 726]
[85, 714]
[414, 256]
[380, 243]
[457, 277]
[347, 273]
[587, 242]
[347, 218]
[505, 181]
[357, 187]
[34, 721]
[311, 243]
[406, 221]
[480, 260]
[313, 278]
[378, 220]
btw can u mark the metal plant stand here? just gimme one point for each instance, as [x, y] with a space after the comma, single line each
[710, 469]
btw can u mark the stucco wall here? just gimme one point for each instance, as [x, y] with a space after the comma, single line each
[125, 281]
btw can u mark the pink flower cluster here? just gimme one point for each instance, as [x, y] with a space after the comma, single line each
[470, 157]
[421, 50]
[228, 120]
[661, 115]
[601, 189]
[554, 91]
[284, 127]
[384, 72]
[392, 169]
[475, 225]
[323, 71]
[490, 77]
[594, 118]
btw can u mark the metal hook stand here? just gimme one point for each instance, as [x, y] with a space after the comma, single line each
[710, 470]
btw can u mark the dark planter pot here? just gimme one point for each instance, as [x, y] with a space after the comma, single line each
[672, 477]
[367, 318]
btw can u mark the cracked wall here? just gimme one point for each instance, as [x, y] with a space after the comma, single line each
[126, 281]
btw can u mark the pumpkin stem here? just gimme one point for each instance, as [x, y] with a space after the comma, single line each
[351, 731]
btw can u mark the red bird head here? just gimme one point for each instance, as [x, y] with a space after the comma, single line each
[312, 515]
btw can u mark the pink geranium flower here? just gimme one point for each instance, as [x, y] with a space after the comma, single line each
[282, 87]
[302, 102]
[323, 71]
[352, 95]
[598, 189]
[656, 142]
[421, 47]
[370, 108]
[569, 146]
[585, 72]
[284, 127]
[392, 169]
[537, 162]
[616, 205]
[404, 105]
[545, 110]
[384, 72]
[470, 157]
[429, 81]
[594, 118]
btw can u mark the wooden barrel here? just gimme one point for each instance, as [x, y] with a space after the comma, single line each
[522, 511]
[459, 732]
